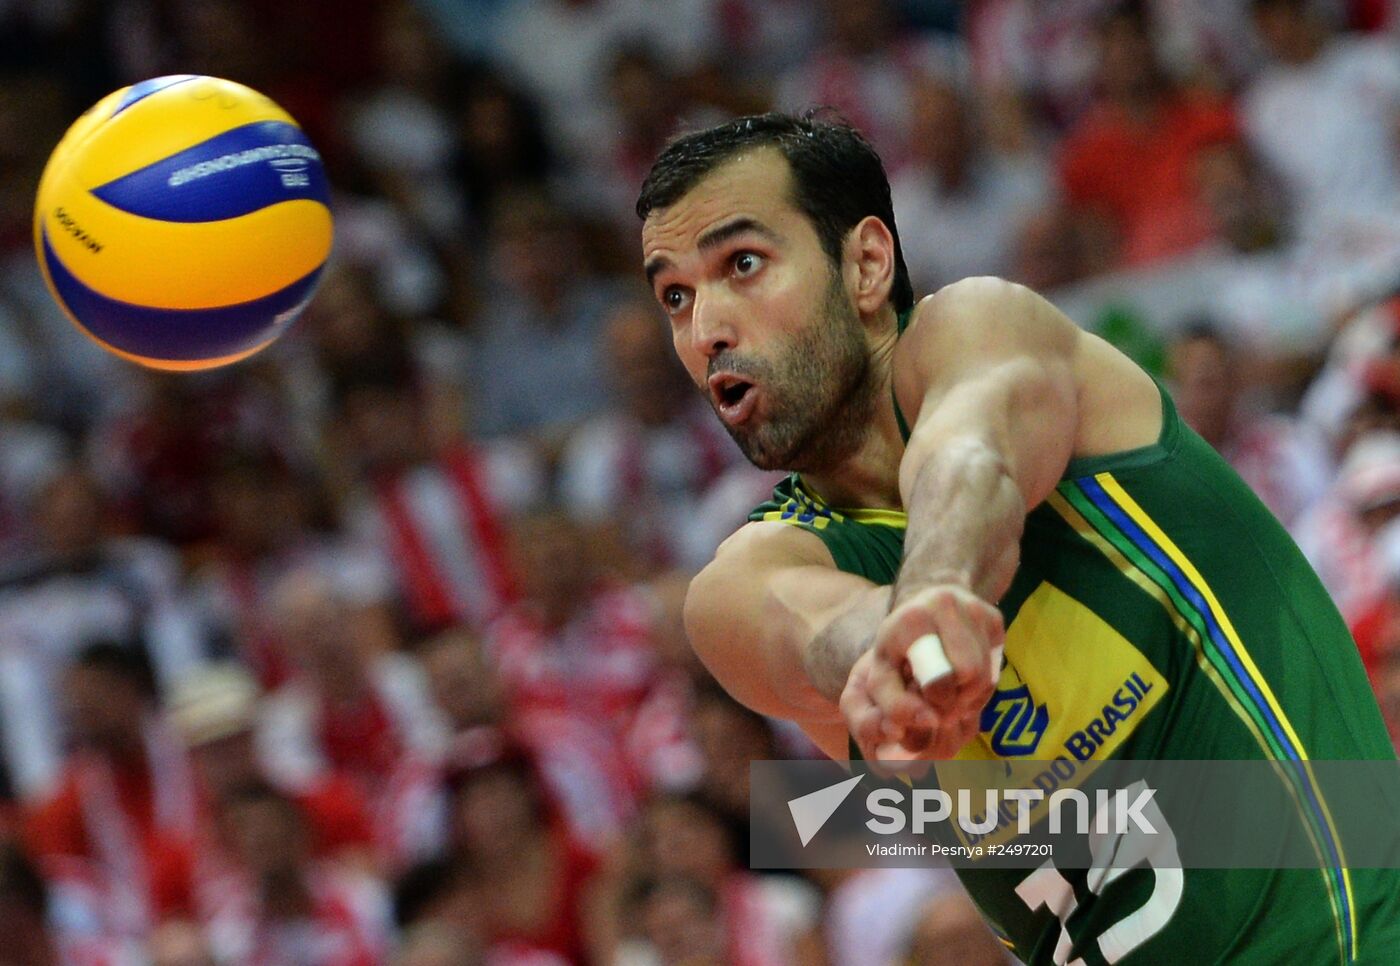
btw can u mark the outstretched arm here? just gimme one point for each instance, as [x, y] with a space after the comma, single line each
[780, 628]
[986, 376]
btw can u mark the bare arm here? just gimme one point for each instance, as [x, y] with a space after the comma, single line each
[780, 628]
[987, 377]
[986, 374]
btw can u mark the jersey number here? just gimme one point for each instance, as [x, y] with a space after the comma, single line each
[1047, 887]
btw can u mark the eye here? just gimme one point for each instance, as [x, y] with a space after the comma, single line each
[675, 299]
[746, 263]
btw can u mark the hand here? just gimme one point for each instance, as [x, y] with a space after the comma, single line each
[890, 716]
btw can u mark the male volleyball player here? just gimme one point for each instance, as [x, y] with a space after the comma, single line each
[975, 467]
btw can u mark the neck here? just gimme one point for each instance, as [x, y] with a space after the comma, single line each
[869, 476]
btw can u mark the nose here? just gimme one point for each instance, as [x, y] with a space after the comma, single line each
[712, 324]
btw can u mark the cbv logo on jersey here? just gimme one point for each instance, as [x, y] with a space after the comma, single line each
[1015, 721]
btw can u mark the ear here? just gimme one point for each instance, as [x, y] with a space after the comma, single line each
[869, 256]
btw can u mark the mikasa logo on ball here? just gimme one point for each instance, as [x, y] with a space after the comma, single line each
[229, 162]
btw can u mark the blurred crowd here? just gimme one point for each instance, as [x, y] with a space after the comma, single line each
[369, 649]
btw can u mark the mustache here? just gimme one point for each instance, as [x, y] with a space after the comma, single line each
[733, 363]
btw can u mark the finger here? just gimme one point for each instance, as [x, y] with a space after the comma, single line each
[887, 688]
[970, 685]
[863, 716]
[928, 662]
[964, 639]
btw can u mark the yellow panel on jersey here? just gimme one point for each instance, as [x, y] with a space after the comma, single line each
[1080, 711]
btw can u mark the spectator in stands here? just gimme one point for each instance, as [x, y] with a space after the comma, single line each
[927, 917]
[159, 456]
[1131, 158]
[1340, 534]
[1286, 465]
[269, 521]
[117, 835]
[501, 144]
[868, 67]
[532, 884]
[560, 49]
[645, 102]
[356, 707]
[969, 201]
[575, 642]
[428, 509]
[678, 918]
[1326, 117]
[760, 917]
[215, 712]
[274, 903]
[645, 463]
[401, 128]
[83, 583]
[584, 773]
[547, 306]
[30, 453]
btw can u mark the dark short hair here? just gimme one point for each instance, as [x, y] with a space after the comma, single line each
[837, 177]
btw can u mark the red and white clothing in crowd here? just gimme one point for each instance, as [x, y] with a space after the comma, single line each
[1327, 128]
[650, 477]
[128, 590]
[386, 743]
[1285, 463]
[121, 839]
[755, 935]
[599, 664]
[349, 924]
[658, 743]
[587, 782]
[1345, 551]
[563, 934]
[1143, 177]
[233, 597]
[873, 92]
[437, 527]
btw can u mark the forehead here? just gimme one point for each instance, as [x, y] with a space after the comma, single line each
[755, 183]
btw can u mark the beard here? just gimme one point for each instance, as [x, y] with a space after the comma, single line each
[818, 392]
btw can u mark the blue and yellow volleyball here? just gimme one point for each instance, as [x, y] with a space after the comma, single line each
[183, 222]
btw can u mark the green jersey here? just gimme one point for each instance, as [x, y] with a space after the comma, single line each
[1161, 612]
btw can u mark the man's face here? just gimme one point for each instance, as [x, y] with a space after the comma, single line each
[760, 318]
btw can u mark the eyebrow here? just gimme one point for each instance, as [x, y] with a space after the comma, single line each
[715, 237]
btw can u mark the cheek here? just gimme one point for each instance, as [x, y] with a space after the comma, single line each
[694, 362]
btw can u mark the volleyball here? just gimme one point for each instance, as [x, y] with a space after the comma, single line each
[183, 222]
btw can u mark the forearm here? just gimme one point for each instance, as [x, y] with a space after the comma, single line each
[834, 649]
[965, 517]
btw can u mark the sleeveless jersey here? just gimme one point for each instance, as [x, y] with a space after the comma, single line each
[1161, 612]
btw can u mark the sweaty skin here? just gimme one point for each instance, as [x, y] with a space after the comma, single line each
[1001, 391]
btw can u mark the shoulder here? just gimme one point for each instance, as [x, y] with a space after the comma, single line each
[990, 331]
[729, 591]
[758, 547]
[982, 317]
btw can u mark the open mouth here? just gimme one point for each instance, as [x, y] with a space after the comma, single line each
[733, 396]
